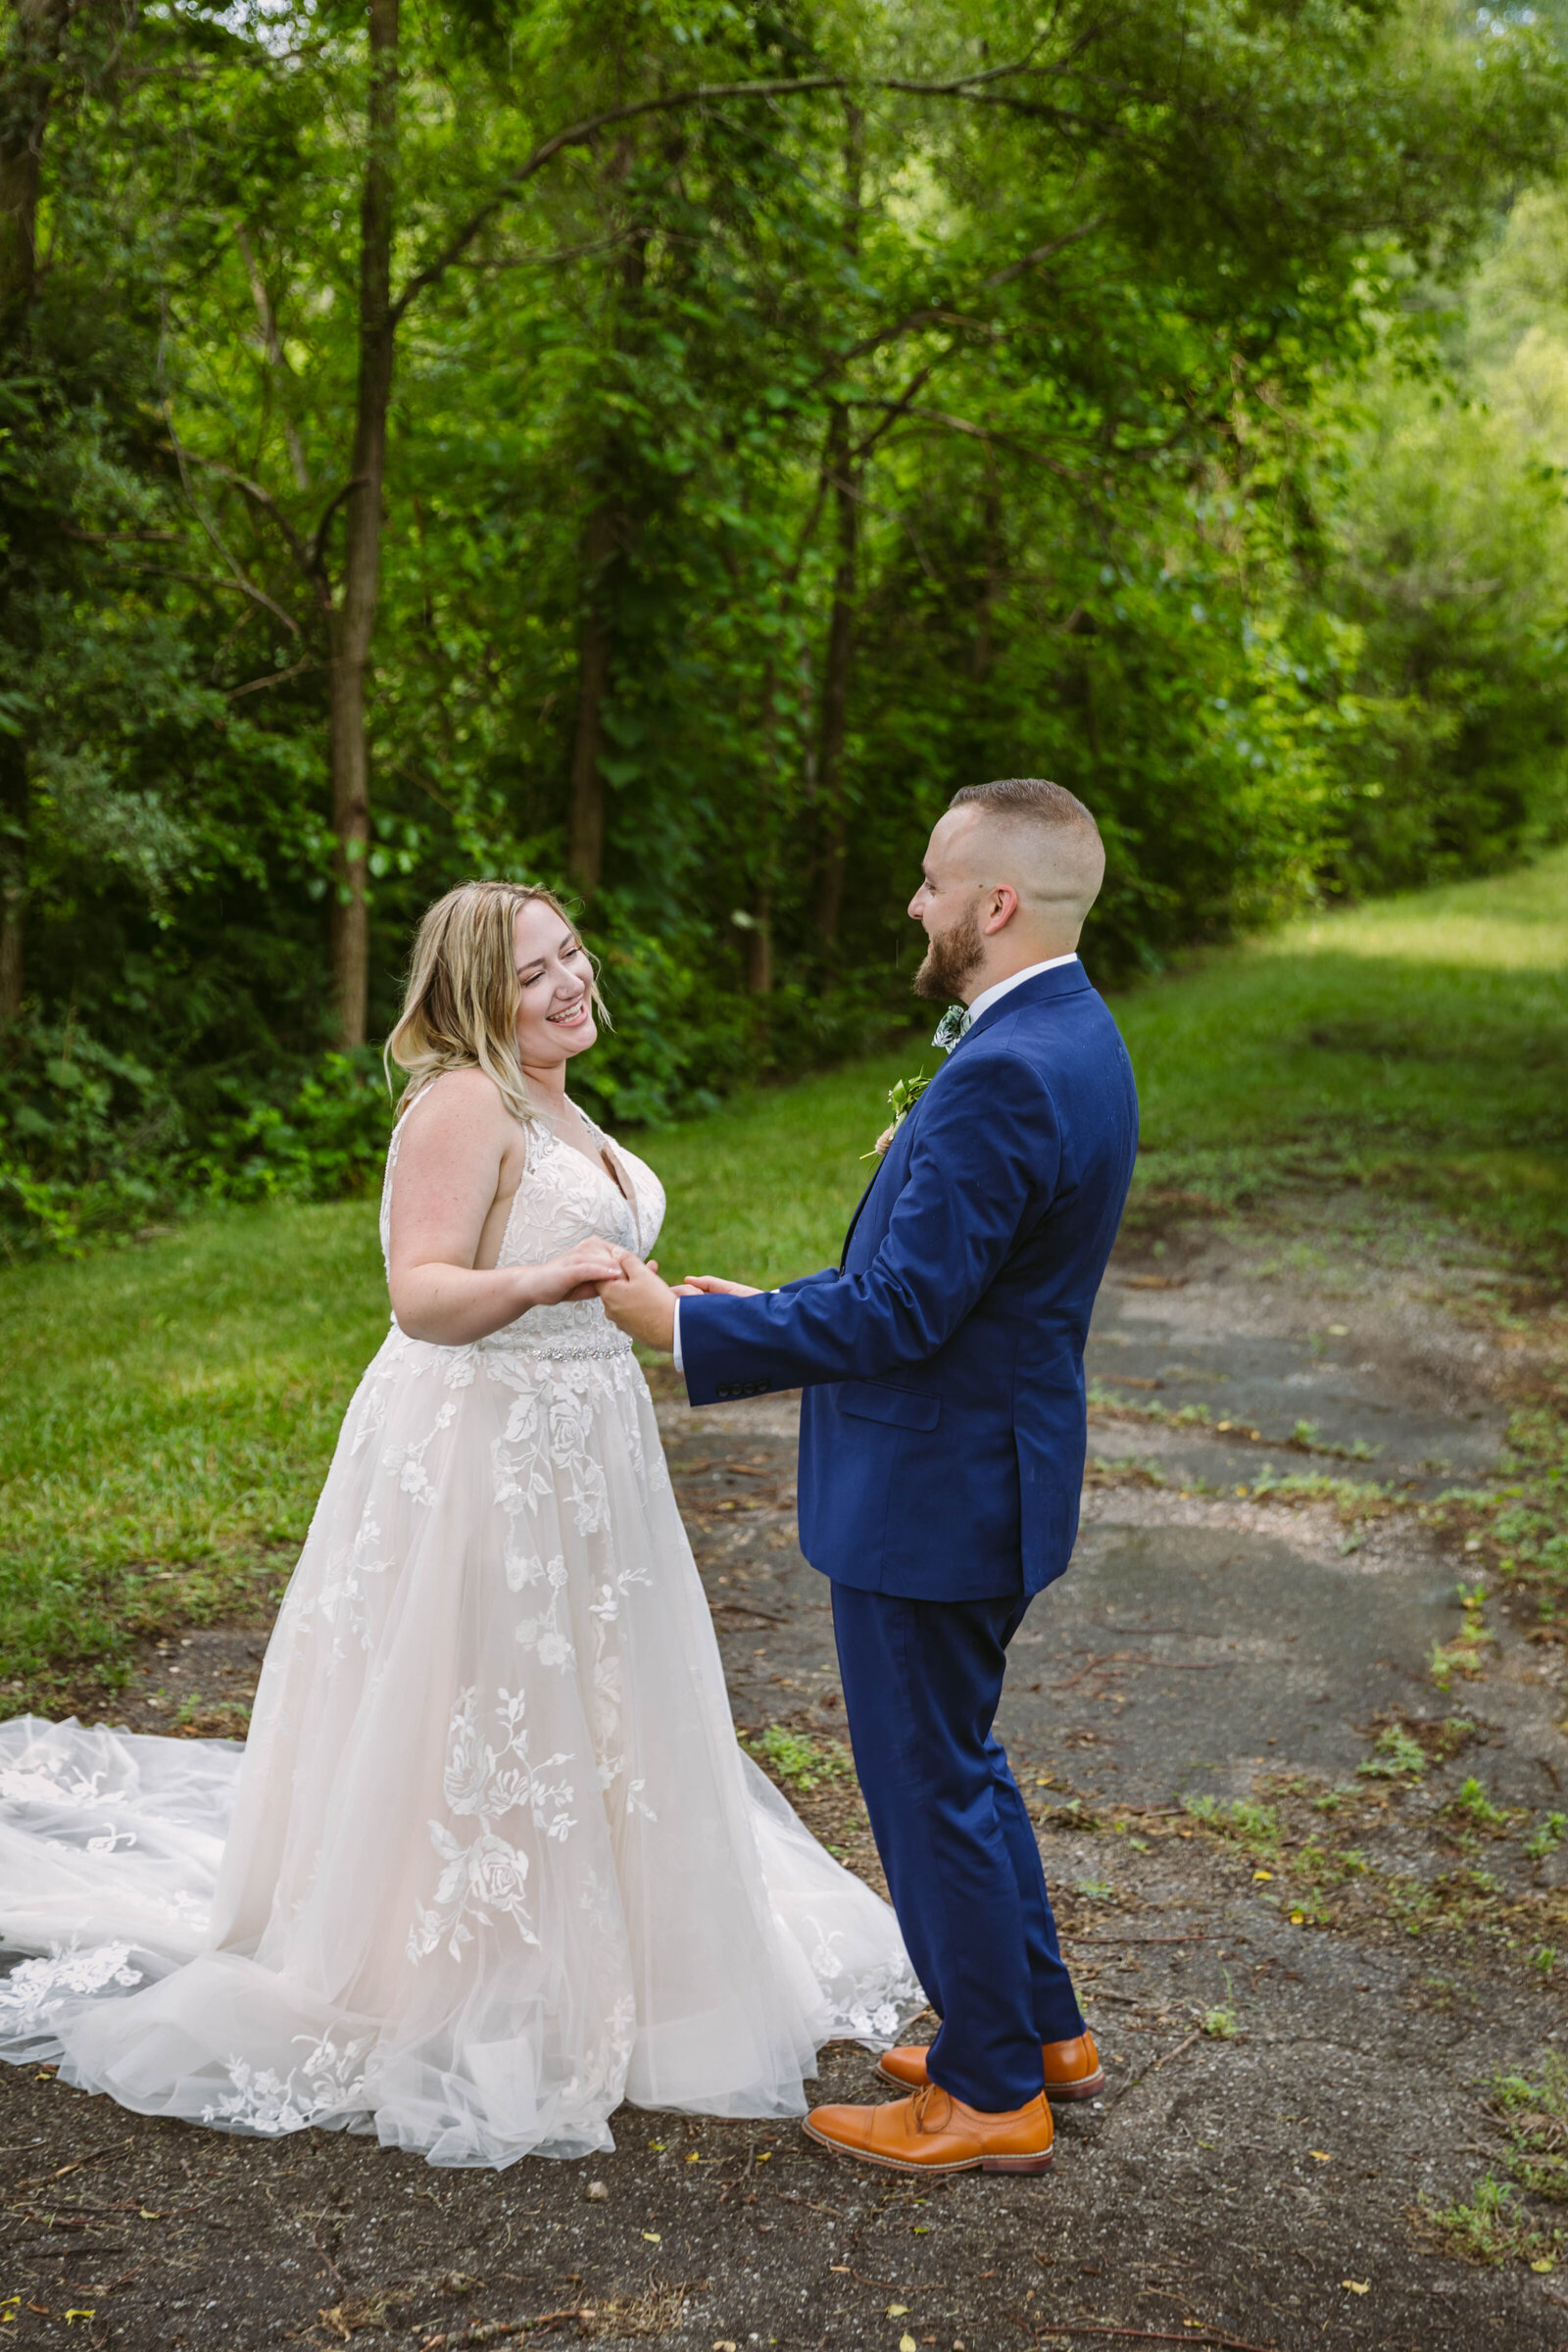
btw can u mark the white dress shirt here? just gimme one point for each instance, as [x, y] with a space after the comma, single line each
[990, 996]
[987, 997]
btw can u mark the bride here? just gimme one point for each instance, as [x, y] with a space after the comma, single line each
[490, 1860]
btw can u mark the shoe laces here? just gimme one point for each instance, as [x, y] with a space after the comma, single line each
[923, 2099]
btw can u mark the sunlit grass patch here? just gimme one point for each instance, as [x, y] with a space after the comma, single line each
[1421, 1042]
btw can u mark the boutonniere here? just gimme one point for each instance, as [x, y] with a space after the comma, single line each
[902, 1099]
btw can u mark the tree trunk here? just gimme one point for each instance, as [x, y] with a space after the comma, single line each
[760, 946]
[585, 836]
[839, 467]
[985, 635]
[32, 52]
[12, 874]
[836, 679]
[352, 619]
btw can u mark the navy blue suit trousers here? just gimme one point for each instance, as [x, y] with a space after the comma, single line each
[921, 1681]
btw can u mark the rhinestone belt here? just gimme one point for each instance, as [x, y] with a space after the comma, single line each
[593, 1353]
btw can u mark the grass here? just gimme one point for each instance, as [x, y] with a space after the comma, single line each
[169, 1411]
[1420, 1040]
[1490, 2226]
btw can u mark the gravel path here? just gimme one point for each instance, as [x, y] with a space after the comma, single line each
[1292, 2070]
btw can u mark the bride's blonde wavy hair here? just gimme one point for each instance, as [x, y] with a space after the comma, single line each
[460, 1010]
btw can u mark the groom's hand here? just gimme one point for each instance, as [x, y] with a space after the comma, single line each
[640, 1304]
[717, 1286]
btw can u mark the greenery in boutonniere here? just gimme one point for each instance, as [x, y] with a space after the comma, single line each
[902, 1099]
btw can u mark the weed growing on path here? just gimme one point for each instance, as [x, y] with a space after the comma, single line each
[798, 1761]
[1491, 2226]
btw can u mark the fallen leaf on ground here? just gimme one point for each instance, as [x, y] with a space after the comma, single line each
[896, 2311]
[1321, 2154]
[907, 2343]
[1357, 2286]
[652, 2237]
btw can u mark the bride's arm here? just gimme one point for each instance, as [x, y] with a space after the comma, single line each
[445, 1185]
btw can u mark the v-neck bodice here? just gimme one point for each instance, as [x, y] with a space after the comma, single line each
[564, 1197]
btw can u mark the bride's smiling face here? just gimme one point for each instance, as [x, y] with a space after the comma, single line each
[555, 1010]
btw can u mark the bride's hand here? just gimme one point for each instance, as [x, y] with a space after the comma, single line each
[640, 1304]
[577, 1274]
[694, 1285]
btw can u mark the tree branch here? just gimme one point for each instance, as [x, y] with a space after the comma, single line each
[246, 585]
[273, 677]
[580, 135]
[259, 498]
[318, 540]
[932, 316]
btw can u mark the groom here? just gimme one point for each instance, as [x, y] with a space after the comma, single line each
[941, 1450]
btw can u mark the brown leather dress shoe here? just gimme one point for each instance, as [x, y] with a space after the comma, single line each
[935, 2133]
[1072, 2067]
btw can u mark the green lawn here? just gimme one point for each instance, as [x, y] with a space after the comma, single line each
[170, 1409]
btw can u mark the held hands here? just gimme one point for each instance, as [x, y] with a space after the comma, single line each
[581, 1273]
[640, 1304]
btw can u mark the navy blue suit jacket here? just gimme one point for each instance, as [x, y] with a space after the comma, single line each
[942, 1428]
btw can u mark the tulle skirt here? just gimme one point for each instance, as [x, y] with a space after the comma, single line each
[491, 1860]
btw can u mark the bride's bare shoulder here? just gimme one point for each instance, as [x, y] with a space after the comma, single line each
[461, 1107]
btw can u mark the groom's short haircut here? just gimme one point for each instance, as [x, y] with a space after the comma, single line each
[1061, 861]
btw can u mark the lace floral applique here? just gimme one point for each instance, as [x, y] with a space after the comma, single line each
[323, 2083]
[409, 1461]
[545, 1635]
[35, 1989]
[873, 2008]
[609, 1677]
[370, 1418]
[50, 1780]
[546, 1450]
[601, 2083]
[485, 1783]
[342, 1593]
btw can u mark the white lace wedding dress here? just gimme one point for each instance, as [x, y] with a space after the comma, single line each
[490, 1860]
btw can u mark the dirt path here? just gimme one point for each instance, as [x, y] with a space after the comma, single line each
[1306, 1988]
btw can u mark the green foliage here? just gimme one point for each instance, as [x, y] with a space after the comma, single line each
[1489, 2227]
[1143, 480]
[88, 1139]
[1493, 2225]
[327, 1140]
[1396, 1756]
[798, 1761]
[1256, 1828]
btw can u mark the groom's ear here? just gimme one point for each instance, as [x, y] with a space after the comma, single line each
[1003, 907]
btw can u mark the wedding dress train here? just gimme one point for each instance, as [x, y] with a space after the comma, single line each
[490, 1860]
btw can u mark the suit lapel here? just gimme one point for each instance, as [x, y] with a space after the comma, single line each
[1066, 980]
[859, 1205]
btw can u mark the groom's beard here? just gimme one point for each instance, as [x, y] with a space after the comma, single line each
[950, 959]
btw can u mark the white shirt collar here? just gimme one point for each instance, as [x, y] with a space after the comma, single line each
[992, 996]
